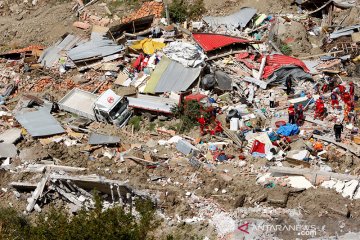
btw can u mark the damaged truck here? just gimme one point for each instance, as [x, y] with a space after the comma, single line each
[107, 107]
[114, 109]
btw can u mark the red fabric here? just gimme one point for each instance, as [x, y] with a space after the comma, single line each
[276, 61]
[258, 147]
[209, 41]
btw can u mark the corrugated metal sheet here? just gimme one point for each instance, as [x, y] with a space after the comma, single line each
[156, 75]
[238, 19]
[152, 103]
[209, 41]
[39, 123]
[177, 78]
[98, 47]
[345, 31]
[277, 61]
[51, 55]
[99, 139]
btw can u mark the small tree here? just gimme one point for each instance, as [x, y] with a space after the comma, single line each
[178, 11]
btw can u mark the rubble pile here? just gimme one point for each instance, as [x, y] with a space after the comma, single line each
[219, 120]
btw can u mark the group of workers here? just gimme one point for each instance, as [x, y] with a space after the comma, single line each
[296, 115]
[338, 91]
[206, 127]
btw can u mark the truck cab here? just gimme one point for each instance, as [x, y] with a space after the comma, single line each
[112, 108]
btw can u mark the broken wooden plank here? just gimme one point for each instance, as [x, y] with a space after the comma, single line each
[36, 194]
[320, 55]
[318, 122]
[353, 149]
[140, 160]
[255, 81]
[64, 168]
[50, 167]
[184, 30]
[231, 135]
[68, 196]
[23, 186]
[297, 162]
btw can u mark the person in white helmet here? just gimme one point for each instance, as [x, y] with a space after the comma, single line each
[338, 129]
[272, 98]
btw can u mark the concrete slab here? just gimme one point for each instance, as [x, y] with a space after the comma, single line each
[7, 150]
[11, 135]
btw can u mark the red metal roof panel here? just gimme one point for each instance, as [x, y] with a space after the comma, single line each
[276, 61]
[209, 41]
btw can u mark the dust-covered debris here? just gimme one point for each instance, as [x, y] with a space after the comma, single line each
[240, 122]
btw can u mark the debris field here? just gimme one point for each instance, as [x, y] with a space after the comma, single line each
[243, 118]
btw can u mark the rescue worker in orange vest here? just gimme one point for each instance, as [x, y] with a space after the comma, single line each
[352, 89]
[334, 99]
[319, 108]
[291, 112]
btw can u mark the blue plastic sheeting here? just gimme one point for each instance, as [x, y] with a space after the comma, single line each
[273, 136]
[288, 130]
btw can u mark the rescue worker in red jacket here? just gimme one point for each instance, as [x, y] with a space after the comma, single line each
[299, 114]
[352, 89]
[319, 108]
[334, 99]
[218, 128]
[346, 98]
[202, 122]
[341, 91]
[291, 112]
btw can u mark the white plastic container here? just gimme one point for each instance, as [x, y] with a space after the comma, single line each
[241, 123]
[234, 124]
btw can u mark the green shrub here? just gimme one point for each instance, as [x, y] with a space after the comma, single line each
[196, 9]
[151, 126]
[135, 121]
[285, 49]
[96, 224]
[180, 10]
[188, 115]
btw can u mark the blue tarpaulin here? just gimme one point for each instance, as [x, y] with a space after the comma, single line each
[288, 130]
[273, 136]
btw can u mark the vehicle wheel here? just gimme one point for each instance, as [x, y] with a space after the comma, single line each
[148, 116]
